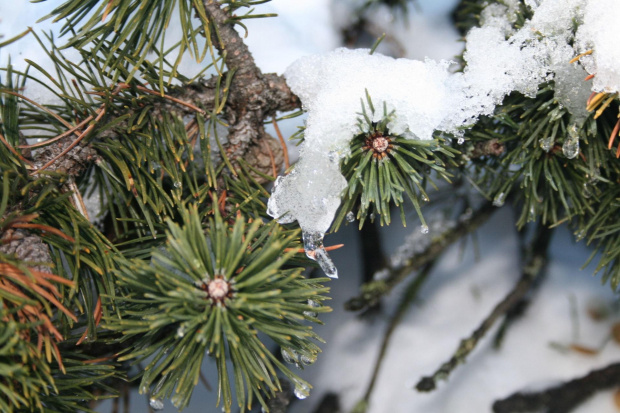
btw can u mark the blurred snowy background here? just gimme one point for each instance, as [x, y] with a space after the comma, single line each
[461, 290]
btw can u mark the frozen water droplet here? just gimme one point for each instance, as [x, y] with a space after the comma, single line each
[460, 141]
[350, 216]
[425, 198]
[289, 356]
[326, 263]
[580, 234]
[311, 313]
[424, 229]
[546, 143]
[178, 184]
[372, 216]
[570, 149]
[499, 199]
[181, 331]
[143, 389]
[301, 391]
[312, 242]
[532, 213]
[586, 192]
[307, 360]
[156, 404]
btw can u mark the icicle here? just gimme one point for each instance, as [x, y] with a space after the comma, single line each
[326, 263]
[313, 245]
[570, 149]
[301, 391]
[156, 404]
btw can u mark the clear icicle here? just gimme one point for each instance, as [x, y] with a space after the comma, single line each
[326, 263]
[313, 245]
[301, 391]
[156, 404]
[570, 149]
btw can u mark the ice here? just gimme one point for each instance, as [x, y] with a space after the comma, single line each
[156, 404]
[302, 390]
[570, 148]
[599, 33]
[289, 356]
[426, 96]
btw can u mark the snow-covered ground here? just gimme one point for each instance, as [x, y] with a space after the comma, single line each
[460, 292]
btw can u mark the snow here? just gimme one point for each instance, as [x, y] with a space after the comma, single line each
[599, 33]
[426, 97]
[460, 292]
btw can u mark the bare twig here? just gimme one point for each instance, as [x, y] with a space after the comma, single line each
[407, 299]
[370, 295]
[562, 398]
[535, 266]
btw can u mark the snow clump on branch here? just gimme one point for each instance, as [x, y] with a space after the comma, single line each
[427, 97]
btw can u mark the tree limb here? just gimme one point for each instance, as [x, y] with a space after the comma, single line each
[562, 398]
[535, 266]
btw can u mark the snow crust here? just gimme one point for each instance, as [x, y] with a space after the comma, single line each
[599, 33]
[427, 97]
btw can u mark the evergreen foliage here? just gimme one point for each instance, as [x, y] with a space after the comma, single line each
[181, 262]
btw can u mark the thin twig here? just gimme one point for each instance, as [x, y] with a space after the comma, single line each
[535, 266]
[370, 296]
[562, 398]
[407, 299]
[287, 163]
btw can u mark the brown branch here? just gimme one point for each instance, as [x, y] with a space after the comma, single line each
[562, 398]
[535, 266]
[370, 296]
[253, 96]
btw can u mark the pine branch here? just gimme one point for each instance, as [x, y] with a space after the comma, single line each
[563, 398]
[253, 96]
[532, 270]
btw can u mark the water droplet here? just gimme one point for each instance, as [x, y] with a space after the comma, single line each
[312, 313]
[499, 199]
[156, 404]
[372, 216]
[181, 331]
[546, 143]
[570, 149]
[586, 191]
[350, 217]
[178, 184]
[460, 141]
[289, 356]
[301, 391]
[307, 360]
[425, 198]
[424, 229]
[532, 213]
[326, 263]
[581, 234]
